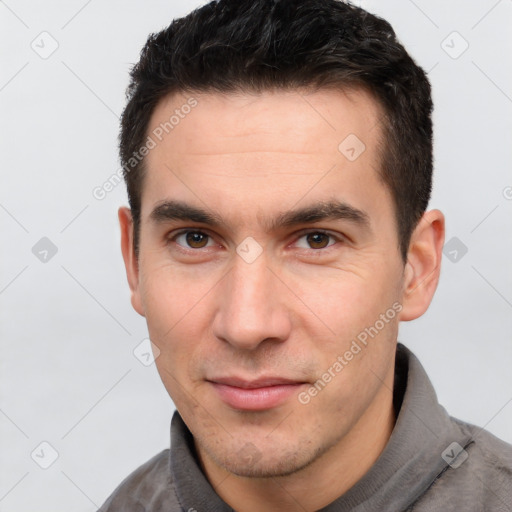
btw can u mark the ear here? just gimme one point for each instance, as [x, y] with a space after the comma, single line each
[422, 270]
[130, 260]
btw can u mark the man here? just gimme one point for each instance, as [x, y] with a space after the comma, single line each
[278, 160]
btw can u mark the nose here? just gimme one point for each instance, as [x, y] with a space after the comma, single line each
[251, 306]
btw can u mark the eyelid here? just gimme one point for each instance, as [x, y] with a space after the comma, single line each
[171, 237]
[339, 237]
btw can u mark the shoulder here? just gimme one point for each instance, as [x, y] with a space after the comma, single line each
[490, 459]
[479, 478]
[147, 489]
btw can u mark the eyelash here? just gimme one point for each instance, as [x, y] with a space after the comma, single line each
[301, 234]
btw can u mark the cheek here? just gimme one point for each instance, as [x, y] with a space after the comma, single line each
[178, 314]
[353, 318]
[342, 303]
[171, 295]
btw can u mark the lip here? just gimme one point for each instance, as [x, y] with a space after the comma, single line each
[255, 395]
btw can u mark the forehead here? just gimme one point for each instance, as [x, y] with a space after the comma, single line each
[302, 121]
[267, 150]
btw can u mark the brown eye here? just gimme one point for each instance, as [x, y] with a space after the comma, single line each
[192, 239]
[196, 239]
[317, 240]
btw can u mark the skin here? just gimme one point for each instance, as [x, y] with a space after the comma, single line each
[294, 309]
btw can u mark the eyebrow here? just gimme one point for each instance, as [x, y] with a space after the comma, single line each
[170, 210]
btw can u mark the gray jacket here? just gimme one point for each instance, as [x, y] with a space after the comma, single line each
[432, 463]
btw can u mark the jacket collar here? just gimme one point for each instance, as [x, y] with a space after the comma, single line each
[409, 464]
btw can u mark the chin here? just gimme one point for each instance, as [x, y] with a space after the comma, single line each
[246, 460]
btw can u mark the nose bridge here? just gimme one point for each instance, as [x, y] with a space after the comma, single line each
[250, 308]
[251, 283]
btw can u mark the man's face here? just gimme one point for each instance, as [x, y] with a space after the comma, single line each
[250, 311]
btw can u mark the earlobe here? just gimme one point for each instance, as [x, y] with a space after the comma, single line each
[422, 270]
[130, 260]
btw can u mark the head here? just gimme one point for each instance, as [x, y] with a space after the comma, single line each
[278, 160]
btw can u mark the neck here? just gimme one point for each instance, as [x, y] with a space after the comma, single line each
[331, 475]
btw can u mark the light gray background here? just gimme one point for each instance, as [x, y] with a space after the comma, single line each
[68, 373]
